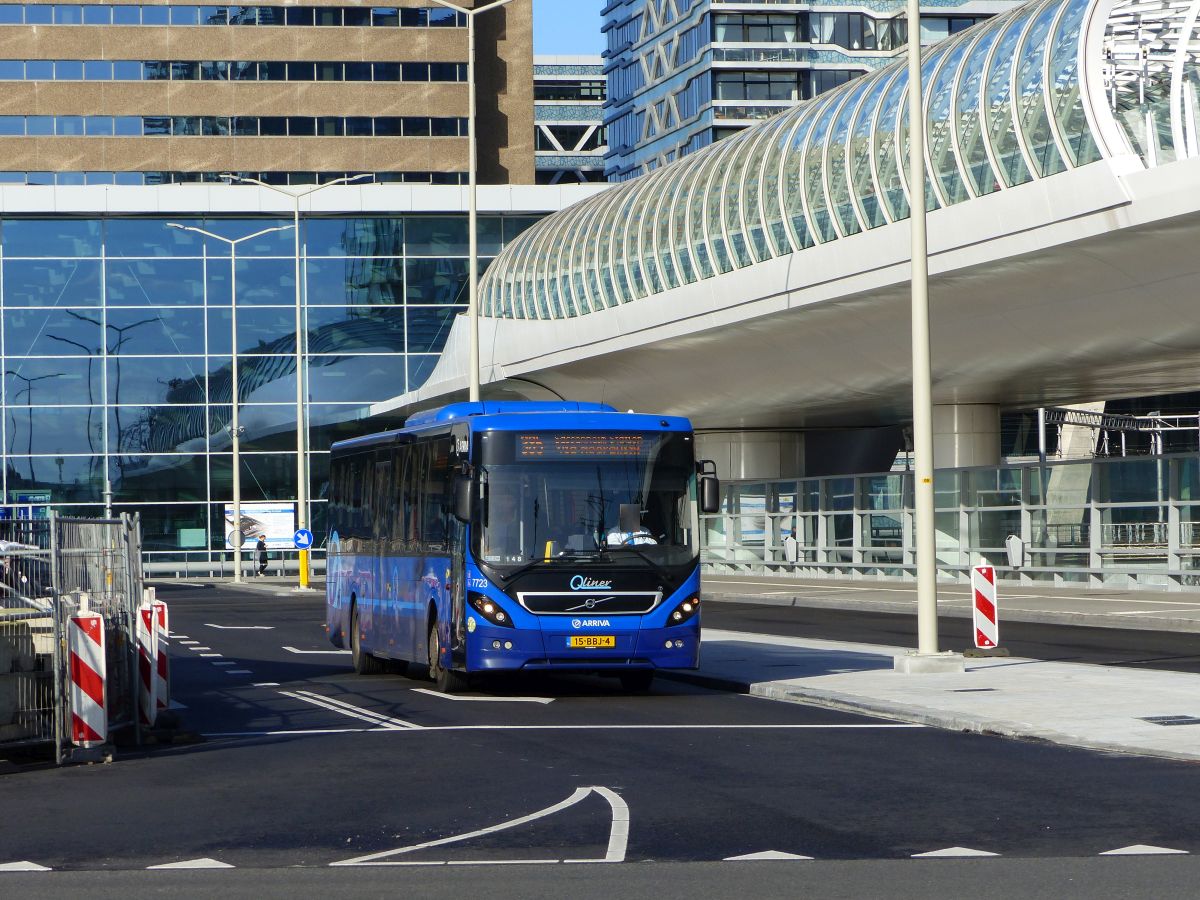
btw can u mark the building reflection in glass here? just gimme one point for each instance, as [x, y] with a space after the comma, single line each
[117, 350]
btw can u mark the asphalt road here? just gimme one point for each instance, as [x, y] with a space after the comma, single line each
[1173, 651]
[306, 765]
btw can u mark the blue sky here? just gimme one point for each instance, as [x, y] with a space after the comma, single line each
[567, 27]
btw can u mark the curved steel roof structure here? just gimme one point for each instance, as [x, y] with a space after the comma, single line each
[1031, 93]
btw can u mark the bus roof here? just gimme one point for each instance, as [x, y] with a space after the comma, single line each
[513, 415]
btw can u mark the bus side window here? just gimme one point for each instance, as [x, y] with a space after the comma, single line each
[438, 457]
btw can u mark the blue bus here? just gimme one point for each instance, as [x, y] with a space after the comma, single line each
[502, 536]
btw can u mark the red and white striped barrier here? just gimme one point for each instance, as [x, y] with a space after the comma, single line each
[89, 719]
[986, 614]
[162, 669]
[147, 637]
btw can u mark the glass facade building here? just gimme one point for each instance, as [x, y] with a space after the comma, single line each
[116, 343]
[685, 73]
[569, 93]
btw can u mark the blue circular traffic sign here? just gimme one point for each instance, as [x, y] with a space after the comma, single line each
[303, 539]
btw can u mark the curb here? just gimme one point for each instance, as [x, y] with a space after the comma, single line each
[1048, 617]
[913, 715]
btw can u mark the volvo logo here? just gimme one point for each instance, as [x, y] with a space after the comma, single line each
[582, 583]
[590, 603]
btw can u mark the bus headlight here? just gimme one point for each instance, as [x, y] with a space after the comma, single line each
[684, 611]
[490, 610]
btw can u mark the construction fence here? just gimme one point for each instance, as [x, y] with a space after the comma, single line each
[50, 570]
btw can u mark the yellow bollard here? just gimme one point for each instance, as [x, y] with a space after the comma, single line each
[304, 568]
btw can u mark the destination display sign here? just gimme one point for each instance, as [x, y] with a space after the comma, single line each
[607, 445]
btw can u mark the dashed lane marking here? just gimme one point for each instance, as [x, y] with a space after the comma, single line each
[618, 837]
[318, 652]
[199, 649]
[23, 866]
[348, 709]
[458, 697]
[238, 671]
[225, 662]
[240, 627]
[765, 854]
[202, 863]
[953, 853]
[211, 655]
[266, 684]
[1143, 850]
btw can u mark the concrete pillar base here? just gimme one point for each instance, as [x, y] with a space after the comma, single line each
[914, 663]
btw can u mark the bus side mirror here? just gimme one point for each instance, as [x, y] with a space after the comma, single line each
[710, 494]
[463, 497]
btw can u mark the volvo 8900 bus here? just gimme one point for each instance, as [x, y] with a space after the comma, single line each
[503, 536]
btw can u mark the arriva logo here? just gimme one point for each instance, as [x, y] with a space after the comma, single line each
[580, 583]
[589, 623]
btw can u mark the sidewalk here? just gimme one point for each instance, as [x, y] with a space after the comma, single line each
[1079, 705]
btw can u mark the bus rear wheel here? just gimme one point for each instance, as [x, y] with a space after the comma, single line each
[364, 663]
[445, 680]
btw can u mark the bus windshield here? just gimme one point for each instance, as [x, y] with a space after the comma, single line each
[566, 495]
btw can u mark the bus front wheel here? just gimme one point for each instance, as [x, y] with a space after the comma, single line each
[364, 663]
[446, 680]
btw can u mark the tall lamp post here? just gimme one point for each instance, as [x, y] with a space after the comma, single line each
[234, 428]
[922, 373]
[301, 430]
[472, 176]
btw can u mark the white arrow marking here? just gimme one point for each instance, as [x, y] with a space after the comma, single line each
[318, 652]
[952, 853]
[347, 709]
[483, 699]
[765, 854]
[241, 627]
[24, 866]
[1142, 850]
[618, 838]
[202, 863]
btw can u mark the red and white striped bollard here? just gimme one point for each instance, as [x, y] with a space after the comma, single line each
[89, 715]
[986, 613]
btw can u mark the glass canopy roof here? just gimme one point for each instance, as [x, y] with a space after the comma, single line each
[1004, 106]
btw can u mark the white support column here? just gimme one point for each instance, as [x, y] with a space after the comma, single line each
[966, 435]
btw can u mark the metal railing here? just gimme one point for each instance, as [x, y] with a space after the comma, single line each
[1117, 523]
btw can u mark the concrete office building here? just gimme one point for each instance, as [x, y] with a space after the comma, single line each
[104, 93]
[685, 73]
[569, 94]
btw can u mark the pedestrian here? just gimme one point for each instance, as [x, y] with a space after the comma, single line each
[261, 547]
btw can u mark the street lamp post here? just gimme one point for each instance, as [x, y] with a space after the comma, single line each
[923, 496]
[234, 428]
[301, 430]
[472, 177]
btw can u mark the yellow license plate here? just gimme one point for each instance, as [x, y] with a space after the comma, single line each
[592, 640]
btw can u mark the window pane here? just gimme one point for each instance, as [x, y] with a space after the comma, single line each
[437, 236]
[56, 381]
[363, 379]
[362, 329]
[429, 326]
[51, 332]
[51, 237]
[51, 282]
[155, 282]
[354, 237]
[436, 281]
[155, 332]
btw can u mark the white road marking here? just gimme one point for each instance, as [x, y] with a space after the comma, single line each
[266, 684]
[241, 627]
[617, 841]
[211, 655]
[23, 866]
[174, 636]
[318, 652]
[175, 704]
[185, 643]
[435, 728]
[1143, 612]
[347, 709]
[457, 697]
[765, 854]
[198, 649]
[238, 671]
[225, 662]
[1143, 850]
[291, 731]
[953, 853]
[202, 863]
